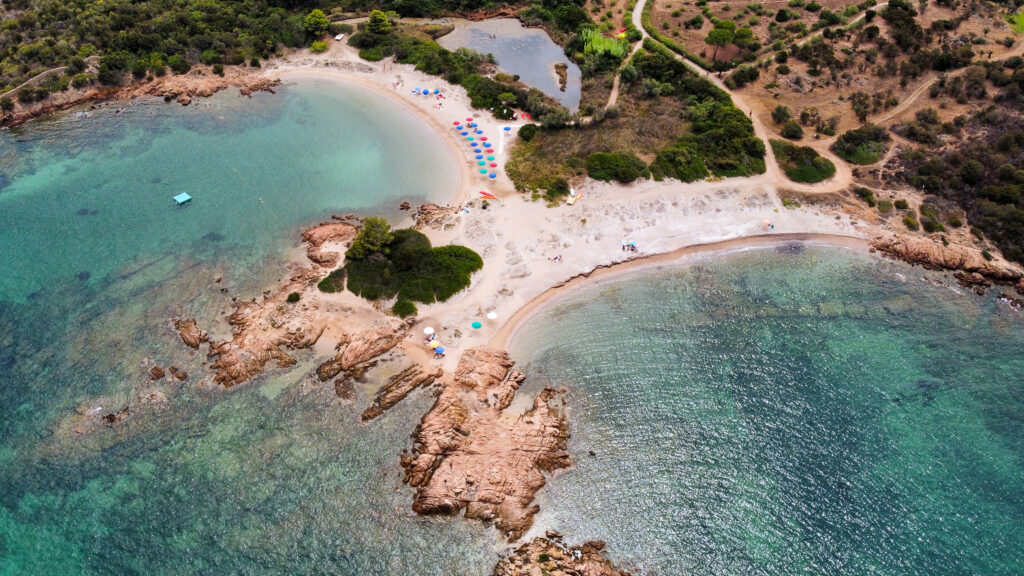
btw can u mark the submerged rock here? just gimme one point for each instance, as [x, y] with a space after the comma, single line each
[398, 387]
[190, 333]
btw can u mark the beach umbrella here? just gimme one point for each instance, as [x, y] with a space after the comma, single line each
[479, 157]
[507, 128]
[476, 325]
[490, 150]
[428, 330]
[766, 223]
[436, 91]
[439, 349]
[469, 137]
[469, 119]
[484, 138]
[483, 170]
[490, 157]
[464, 133]
[479, 131]
[492, 315]
[494, 165]
[481, 163]
[434, 344]
[456, 122]
[492, 175]
[473, 125]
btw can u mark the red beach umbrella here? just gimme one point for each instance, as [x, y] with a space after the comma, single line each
[483, 137]
[456, 122]
[469, 119]
[494, 165]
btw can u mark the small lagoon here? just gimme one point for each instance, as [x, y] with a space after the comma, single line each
[528, 52]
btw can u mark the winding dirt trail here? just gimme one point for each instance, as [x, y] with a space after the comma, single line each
[843, 177]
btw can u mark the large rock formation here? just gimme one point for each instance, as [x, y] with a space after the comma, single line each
[935, 256]
[398, 387]
[473, 454]
[550, 557]
[323, 233]
[190, 333]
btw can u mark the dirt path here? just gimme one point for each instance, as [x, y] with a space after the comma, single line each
[843, 177]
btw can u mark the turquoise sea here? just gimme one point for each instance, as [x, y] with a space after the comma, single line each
[790, 411]
[771, 412]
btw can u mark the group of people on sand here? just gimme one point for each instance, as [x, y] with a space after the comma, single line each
[435, 346]
[629, 247]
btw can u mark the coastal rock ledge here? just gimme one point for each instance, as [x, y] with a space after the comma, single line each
[473, 454]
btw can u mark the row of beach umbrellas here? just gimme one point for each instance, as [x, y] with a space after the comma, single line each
[478, 142]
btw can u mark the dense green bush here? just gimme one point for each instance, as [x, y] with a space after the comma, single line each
[884, 206]
[293, 297]
[802, 163]
[405, 266]
[318, 47]
[901, 204]
[610, 166]
[404, 308]
[864, 145]
[528, 131]
[792, 130]
[911, 223]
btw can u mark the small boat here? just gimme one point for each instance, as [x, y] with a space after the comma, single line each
[574, 196]
[182, 198]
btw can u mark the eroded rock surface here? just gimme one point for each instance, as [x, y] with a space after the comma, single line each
[935, 256]
[323, 233]
[473, 454]
[190, 333]
[398, 387]
[549, 556]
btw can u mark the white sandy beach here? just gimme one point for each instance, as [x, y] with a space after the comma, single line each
[518, 237]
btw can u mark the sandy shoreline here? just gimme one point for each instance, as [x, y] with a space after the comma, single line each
[678, 257]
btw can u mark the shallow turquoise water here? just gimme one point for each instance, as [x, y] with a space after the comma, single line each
[267, 479]
[792, 412]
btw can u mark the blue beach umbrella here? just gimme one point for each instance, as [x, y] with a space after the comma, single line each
[479, 156]
[492, 175]
[507, 128]
[464, 133]
[479, 131]
[439, 350]
[476, 325]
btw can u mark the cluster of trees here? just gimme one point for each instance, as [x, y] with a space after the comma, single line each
[982, 174]
[142, 37]
[864, 145]
[608, 166]
[384, 263]
[721, 139]
[465, 67]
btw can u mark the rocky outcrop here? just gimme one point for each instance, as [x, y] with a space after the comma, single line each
[190, 333]
[935, 256]
[379, 338]
[398, 387]
[473, 454]
[317, 236]
[433, 216]
[550, 556]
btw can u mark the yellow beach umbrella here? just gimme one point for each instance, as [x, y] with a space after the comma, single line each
[433, 344]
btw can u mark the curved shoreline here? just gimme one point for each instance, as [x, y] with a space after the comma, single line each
[463, 179]
[507, 333]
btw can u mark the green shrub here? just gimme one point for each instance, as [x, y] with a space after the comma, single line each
[901, 204]
[624, 168]
[178, 64]
[931, 225]
[911, 223]
[864, 145]
[293, 297]
[528, 131]
[318, 47]
[404, 308]
[334, 282]
[954, 220]
[802, 163]
[218, 69]
[558, 188]
[792, 130]
[866, 195]
[375, 236]
[884, 206]
[986, 255]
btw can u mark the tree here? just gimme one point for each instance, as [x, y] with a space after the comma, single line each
[744, 37]
[861, 104]
[316, 23]
[372, 239]
[719, 37]
[378, 23]
[781, 114]
[6, 104]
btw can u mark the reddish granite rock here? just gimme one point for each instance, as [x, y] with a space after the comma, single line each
[549, 556]
[472, 454]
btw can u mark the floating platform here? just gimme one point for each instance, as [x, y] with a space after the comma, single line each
[182, 198]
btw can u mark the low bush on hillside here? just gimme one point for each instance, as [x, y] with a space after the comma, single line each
[610, 166]
[802, 163]
[864, 145]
